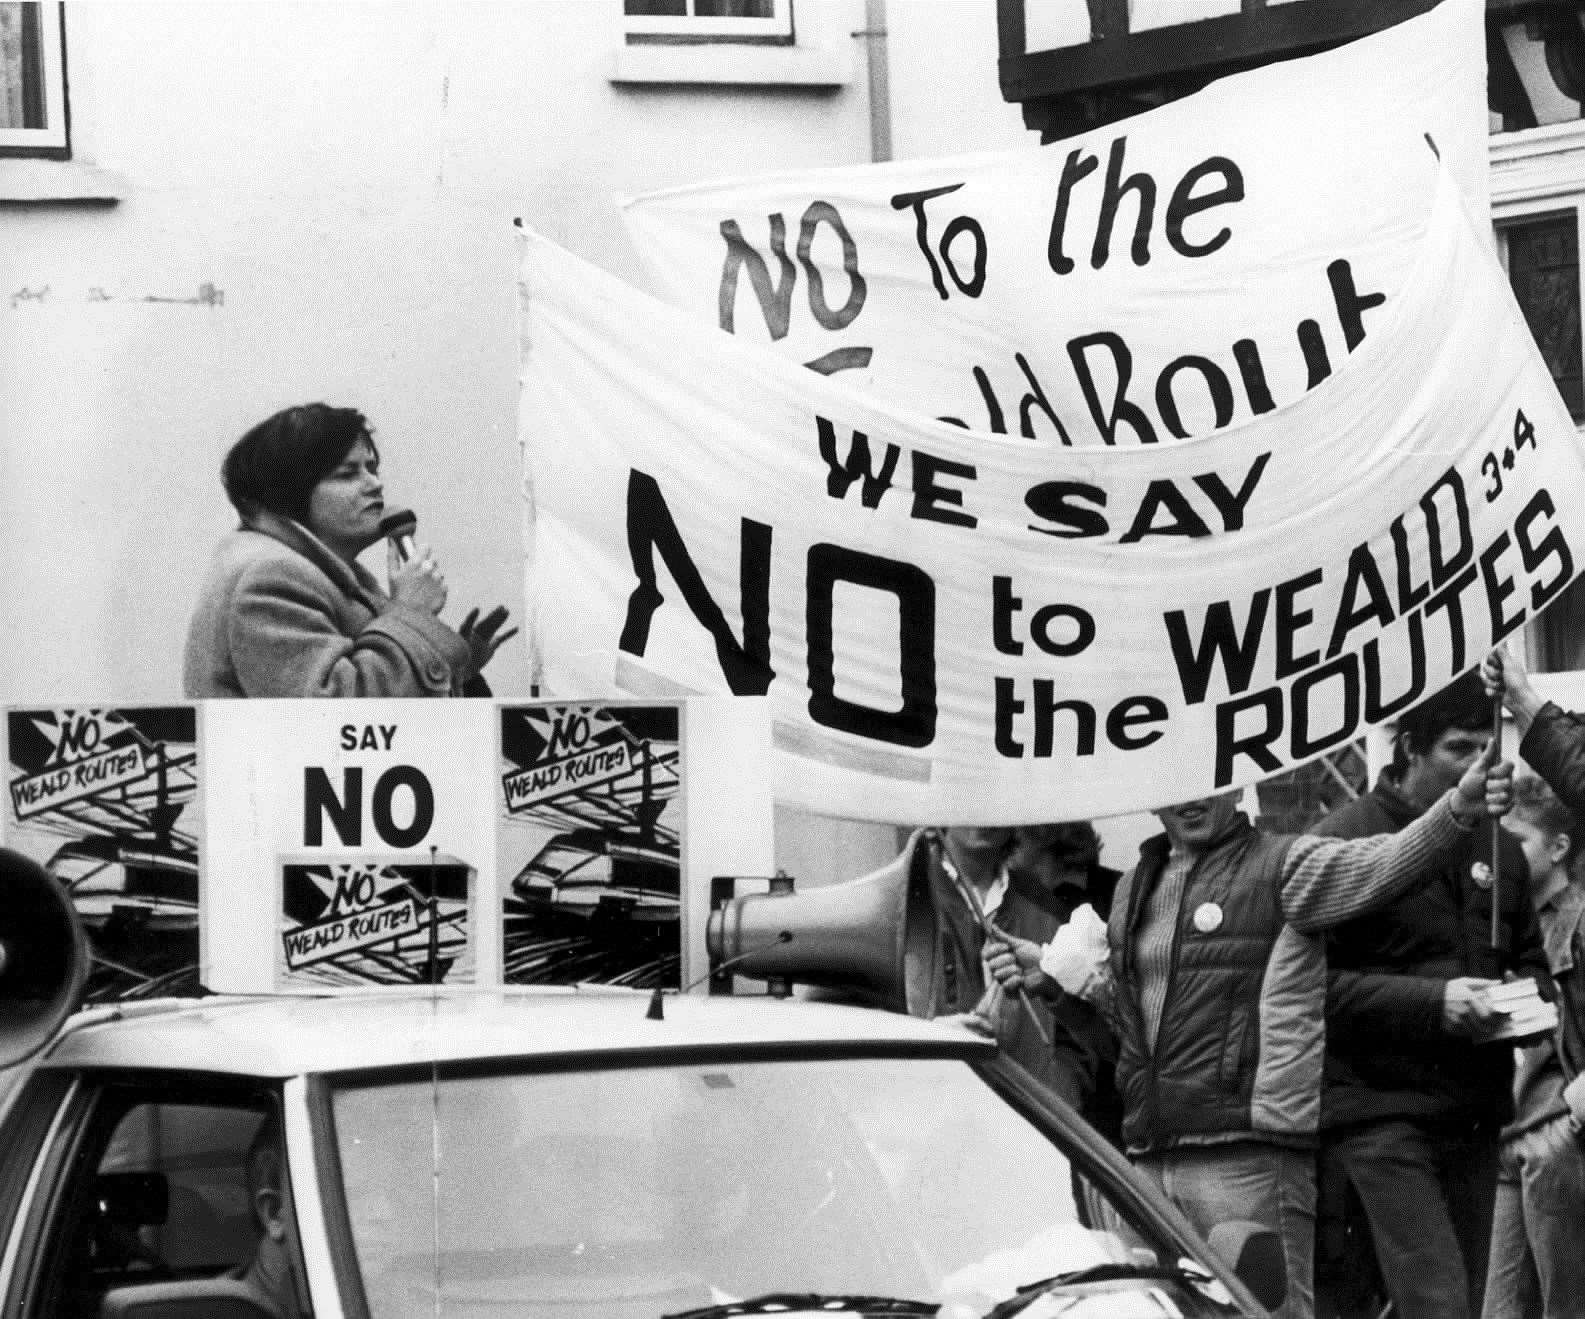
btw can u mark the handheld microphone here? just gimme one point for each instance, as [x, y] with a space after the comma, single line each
[398, 526]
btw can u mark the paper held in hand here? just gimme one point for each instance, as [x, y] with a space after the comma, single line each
[1525, 1012]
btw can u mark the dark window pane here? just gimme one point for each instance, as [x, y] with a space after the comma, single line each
[734, 8]
[1558, 640]
[199, 1153]
[655, 8]
[1543, 265]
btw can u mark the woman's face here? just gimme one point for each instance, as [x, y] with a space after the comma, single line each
[345, 508]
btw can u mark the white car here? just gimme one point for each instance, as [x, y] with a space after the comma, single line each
[562, 1153]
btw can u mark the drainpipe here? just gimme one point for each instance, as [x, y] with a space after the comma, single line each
[879, 69]
[874, 35]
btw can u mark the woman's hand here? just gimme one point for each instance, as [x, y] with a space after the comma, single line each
[417, 582]
[483, 635]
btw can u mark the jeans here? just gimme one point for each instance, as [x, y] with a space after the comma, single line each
[1266, 1184]
[1427, 1190]
[1538, 1227]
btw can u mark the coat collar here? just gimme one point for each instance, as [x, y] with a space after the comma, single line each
[352, 579]
[1153, 854]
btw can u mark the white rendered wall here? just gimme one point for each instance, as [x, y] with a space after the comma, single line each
[318, 205]
[343, 178]
[944, 91]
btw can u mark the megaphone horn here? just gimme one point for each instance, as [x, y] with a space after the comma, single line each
[875, 937]
[43, 957]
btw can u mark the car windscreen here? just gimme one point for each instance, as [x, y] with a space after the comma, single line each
[653, 1190]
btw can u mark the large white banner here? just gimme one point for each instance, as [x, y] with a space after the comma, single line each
[960, 627]
[1166, 276]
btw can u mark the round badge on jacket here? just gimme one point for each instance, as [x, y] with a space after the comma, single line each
[1480, 872]
[1207, 917]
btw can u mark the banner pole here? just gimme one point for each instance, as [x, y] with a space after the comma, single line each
[1496, 836]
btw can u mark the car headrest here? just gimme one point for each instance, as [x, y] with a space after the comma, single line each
[194, 1298]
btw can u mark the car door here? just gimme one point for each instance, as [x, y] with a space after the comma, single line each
[133, 1179]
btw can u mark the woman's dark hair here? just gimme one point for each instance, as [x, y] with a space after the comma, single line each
[1075, 843]
[277, 464]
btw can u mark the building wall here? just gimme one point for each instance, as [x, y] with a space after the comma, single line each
[318, 203]
[342, 180]
[944, 92]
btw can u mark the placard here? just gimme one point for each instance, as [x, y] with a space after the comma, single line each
[358, 835]
[108, 800]
[591, 843]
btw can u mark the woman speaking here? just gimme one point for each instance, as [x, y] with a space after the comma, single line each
[286, 608]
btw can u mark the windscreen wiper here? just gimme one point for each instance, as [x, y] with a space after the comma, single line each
[830, 1303]
[1027, 1295]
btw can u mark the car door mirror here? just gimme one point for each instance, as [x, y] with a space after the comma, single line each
[133, 1199]
[1255, 1255]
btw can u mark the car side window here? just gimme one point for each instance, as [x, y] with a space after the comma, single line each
[158, 1192]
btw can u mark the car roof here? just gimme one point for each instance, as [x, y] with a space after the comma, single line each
[282, 1036]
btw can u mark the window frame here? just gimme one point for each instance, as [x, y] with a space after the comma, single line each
[1538, 173]
[1560, 209]
[47, 1106]
[778, 27]
[78, 1136]
[1080, 1145]
[52, 142]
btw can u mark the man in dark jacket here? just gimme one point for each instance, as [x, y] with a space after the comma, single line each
[1551, 739]
[1413, 1099]
[1056, 869]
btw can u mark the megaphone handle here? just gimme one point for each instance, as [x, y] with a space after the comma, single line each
[1034, 1017]
[991, 931]
[988, 931]
[990, 1007]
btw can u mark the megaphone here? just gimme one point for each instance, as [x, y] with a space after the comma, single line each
[876, 938]
[43, 957]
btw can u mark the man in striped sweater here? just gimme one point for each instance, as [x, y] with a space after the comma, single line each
[1213, 974]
